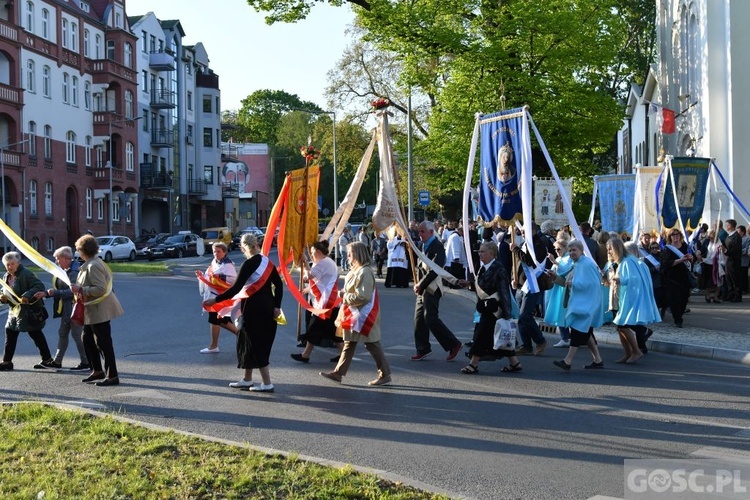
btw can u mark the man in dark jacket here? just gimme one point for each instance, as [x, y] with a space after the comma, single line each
[426, 310]
[528, 329]
[733, 244]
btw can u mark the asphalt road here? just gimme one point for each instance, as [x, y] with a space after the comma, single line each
[541, 434]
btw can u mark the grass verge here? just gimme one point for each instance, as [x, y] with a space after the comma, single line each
[55, 453]
[127, 267]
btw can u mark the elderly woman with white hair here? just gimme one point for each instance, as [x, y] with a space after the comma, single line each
[20, 287]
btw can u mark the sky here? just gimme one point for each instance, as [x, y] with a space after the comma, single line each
[249, 55]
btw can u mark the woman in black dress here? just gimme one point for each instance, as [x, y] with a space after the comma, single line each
[493, 302]
[260, 291]
[675, 268]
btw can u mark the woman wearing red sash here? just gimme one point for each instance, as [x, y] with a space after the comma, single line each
[359, 316]
[259, 291]
[322, 280]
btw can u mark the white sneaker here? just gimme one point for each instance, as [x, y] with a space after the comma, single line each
[563, 343]
[241, 383]
[262, 388]
[207, 350]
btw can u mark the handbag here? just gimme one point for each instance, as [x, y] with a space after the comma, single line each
[78, 313]
[36, 316]
[505, 334]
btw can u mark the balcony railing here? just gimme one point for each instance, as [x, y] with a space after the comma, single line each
[10, 95]
[162, 138]
[230, 190]
[161, 61]
[197, 187]
[155, 180]
[163, 98]
[8, 31]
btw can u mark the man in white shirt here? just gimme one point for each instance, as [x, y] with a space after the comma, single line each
[455, 254]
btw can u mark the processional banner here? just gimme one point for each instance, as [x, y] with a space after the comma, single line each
[505, 164]
[647, 198]
[302, 210]
[548, 204]
[686, 189]
[616, 194]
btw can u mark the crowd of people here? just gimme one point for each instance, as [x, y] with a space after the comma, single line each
[574, 285]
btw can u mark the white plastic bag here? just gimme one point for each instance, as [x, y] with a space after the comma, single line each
[505, 334]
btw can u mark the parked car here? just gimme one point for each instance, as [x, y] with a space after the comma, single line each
[116, 248]
[211, 235]
[144, 241]
[254, 230]
[175, 246]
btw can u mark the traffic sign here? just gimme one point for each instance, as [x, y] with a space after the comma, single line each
[424, 198]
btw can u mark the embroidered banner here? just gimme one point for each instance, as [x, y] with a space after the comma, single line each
[505, 163]
[689, 194]
[302, 210]
[548, 203]
[647, 198]
[616, 194]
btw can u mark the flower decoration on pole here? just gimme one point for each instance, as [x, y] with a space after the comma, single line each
[380, 104]
[310, 153]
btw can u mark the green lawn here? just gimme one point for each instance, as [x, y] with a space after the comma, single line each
[126, 267]
[47, 452]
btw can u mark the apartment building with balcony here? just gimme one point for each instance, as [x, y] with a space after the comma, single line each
[178, 166]
[67, 89]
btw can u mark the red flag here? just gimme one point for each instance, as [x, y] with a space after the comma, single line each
[667, 125]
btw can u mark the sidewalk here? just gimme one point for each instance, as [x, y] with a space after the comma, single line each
[695, 341]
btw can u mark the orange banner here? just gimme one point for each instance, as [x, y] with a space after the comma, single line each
[302, 210]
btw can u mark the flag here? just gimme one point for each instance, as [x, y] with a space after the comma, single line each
[664, 118]
[616, 194]
[689, 194]
[302, 210]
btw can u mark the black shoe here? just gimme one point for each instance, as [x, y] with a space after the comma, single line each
[80, 367]
[6, 366]
[649, 332]
[93, 377]
[49, 364]
[108, 381]
[300, 357]
[302, 343]
[562, 364]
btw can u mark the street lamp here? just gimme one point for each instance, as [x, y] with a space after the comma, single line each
[2, 174]
[335, 180]
[110, 166]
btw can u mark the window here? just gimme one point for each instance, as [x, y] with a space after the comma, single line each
[74, 91]
[48, 199]
[66, 88]
[98, 47]
[217, 105]
[144, 42]
[128, 62]
[65, 33]
[111, 50]
[29, 17]
[46, 83]
[32, 198]
[32, 138]
[87, 96]
[45, 24]
[100, 208]
[208, 174]
[35, 243]
[31, 76]
[116, 208]
[206, 103]
[86, 43]
[189, 67]
[190, 101]
[74, 37]
[50, 244]
[207, 137]
[47, 141]
[144, 121]
[118, 20]
[190, 134]
[144, 81]
[129, 211]
[129, 111]
[89, 202]
[87, 150]
[70, 147]
[152, 44]
[129, 157]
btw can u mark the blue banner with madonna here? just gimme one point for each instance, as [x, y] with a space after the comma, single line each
[616, 195]
[504, 149]
[690, 181]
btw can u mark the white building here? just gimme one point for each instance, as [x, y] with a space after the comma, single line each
[702, 68]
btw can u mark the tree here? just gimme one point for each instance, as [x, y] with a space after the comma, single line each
[290, 11]
[261, 111]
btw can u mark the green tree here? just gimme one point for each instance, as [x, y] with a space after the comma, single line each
[261, 111]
